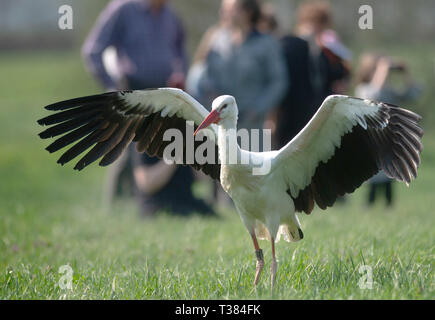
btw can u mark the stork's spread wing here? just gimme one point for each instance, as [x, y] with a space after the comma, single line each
[346, 142]
[109, 122]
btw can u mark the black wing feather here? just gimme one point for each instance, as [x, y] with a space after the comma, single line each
[107, 125]
[391, 142]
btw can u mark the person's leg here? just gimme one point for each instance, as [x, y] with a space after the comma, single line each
[111, 189]
[126, 179]
[372, 193]
[389, 193]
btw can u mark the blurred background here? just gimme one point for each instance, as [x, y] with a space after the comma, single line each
[401, 29]
[52, 215]
[34, 25]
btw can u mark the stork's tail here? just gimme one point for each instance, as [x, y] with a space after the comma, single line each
[291, 232]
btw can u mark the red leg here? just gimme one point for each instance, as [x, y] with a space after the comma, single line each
[260, 259]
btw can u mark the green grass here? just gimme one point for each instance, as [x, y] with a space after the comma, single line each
[52, 216]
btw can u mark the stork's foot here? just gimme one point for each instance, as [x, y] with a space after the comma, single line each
[260, 265]
[273, 268]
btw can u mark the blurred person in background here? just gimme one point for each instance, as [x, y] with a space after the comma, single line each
[148, 39]
[195, 76]
[213, 35]
[330, 59]
[385, 79]
[239, 60]
[317, 64]
[235, 58]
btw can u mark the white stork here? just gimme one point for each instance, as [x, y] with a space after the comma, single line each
[346, 142]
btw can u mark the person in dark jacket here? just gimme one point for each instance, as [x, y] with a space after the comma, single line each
[314, 68]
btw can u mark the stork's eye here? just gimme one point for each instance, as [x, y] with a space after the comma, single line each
[224, 106]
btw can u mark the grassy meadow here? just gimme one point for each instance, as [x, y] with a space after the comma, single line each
[52, 216]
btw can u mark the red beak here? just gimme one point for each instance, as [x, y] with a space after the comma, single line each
[213, 117]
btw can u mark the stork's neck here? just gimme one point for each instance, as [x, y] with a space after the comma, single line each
[229, 150]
